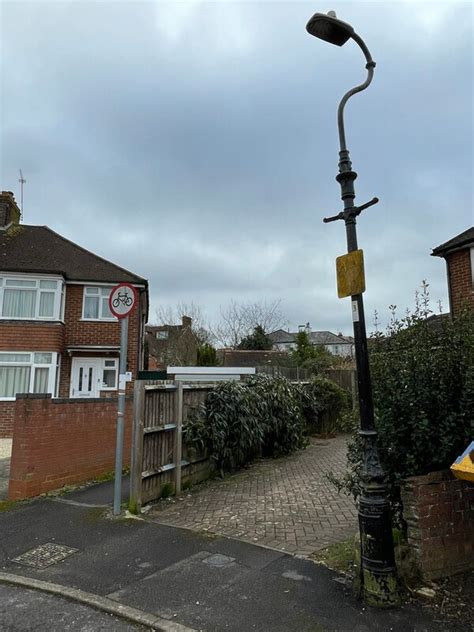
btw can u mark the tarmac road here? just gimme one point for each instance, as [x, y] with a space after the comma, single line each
[22, 610]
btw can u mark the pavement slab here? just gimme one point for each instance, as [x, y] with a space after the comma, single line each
[286, 504]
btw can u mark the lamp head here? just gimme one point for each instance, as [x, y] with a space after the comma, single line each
[328, 28]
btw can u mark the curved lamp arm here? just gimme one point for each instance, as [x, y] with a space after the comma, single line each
[370, 73]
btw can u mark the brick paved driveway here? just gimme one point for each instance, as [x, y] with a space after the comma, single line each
[286, 504]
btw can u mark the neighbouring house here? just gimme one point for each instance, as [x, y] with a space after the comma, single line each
[458, 253]
[171, 345]
[337, 344]
[57, 334]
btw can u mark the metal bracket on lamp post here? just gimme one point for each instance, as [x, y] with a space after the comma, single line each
[378, 573]
[350, 213]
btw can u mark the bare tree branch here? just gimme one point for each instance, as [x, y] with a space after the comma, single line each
[238, 320]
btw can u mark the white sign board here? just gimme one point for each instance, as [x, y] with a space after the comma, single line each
[122, 300]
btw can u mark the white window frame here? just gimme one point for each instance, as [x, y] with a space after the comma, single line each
[162, 335]
[103, 368]
[53, 367]
[36, 279]
[100, 291]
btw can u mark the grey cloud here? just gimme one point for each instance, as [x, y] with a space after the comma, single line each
[148, 131]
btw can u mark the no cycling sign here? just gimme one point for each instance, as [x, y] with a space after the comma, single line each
[122, 300]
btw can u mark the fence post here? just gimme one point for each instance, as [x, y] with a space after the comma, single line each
[178, 445]
[136, 466]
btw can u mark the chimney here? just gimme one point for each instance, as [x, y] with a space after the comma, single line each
[187, 322]
[9, 210]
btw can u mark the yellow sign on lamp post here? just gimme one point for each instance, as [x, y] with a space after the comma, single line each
[350, 274]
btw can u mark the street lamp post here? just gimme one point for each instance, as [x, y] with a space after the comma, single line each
[378, 573]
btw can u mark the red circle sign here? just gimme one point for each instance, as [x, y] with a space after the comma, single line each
[122, 300]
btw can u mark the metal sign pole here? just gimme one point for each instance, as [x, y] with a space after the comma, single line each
[120, 415]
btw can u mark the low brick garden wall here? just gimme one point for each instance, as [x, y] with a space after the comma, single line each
[58, 442]
[439, 511]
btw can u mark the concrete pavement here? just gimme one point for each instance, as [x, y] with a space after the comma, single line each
[182, 577]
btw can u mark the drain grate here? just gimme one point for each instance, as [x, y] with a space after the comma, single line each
[45, 555]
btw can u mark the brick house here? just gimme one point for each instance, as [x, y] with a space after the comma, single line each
[57, 334]
[337, 344]
[458, 253]
[171, 345]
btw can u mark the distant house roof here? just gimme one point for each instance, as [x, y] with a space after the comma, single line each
[247, 358]
[38, 249]
[316, 337]
[463, 239]
[326, 338]
[280, 335]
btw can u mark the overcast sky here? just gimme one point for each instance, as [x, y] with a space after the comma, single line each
[195, 143]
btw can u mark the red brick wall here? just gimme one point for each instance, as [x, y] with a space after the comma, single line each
[460, 280]
[28, 336]
[79, 332]
[40, 336]
[7, 411]
[439, 511]
[60, 442]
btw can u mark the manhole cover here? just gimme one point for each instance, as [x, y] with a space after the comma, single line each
[45, 555]
[218, 560]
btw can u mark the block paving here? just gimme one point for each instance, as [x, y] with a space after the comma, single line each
[285, 504]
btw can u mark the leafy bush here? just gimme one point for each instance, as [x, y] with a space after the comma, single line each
[316, 359]
[257, 340]
[325, 406]
[423, 390]
[266, 416]
[230, 427]
[282, 416]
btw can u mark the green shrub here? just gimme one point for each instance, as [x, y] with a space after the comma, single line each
[281, 415]
[423, 390]
[325, 406]
[266, 416]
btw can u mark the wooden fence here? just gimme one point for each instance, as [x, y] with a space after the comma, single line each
[160, 461]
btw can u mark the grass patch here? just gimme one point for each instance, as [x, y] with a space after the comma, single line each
[7, 505]
[339, 557]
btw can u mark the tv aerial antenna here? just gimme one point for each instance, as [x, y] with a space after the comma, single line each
[22, 181]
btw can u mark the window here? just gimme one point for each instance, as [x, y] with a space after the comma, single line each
[96, 304]
[33, 299]
[109, 374]
[162, 335]
[472, 267]
[27, 373]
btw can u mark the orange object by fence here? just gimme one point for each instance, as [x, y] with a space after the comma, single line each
[463, 466]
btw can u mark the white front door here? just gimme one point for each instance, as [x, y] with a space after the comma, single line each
[85, 377]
